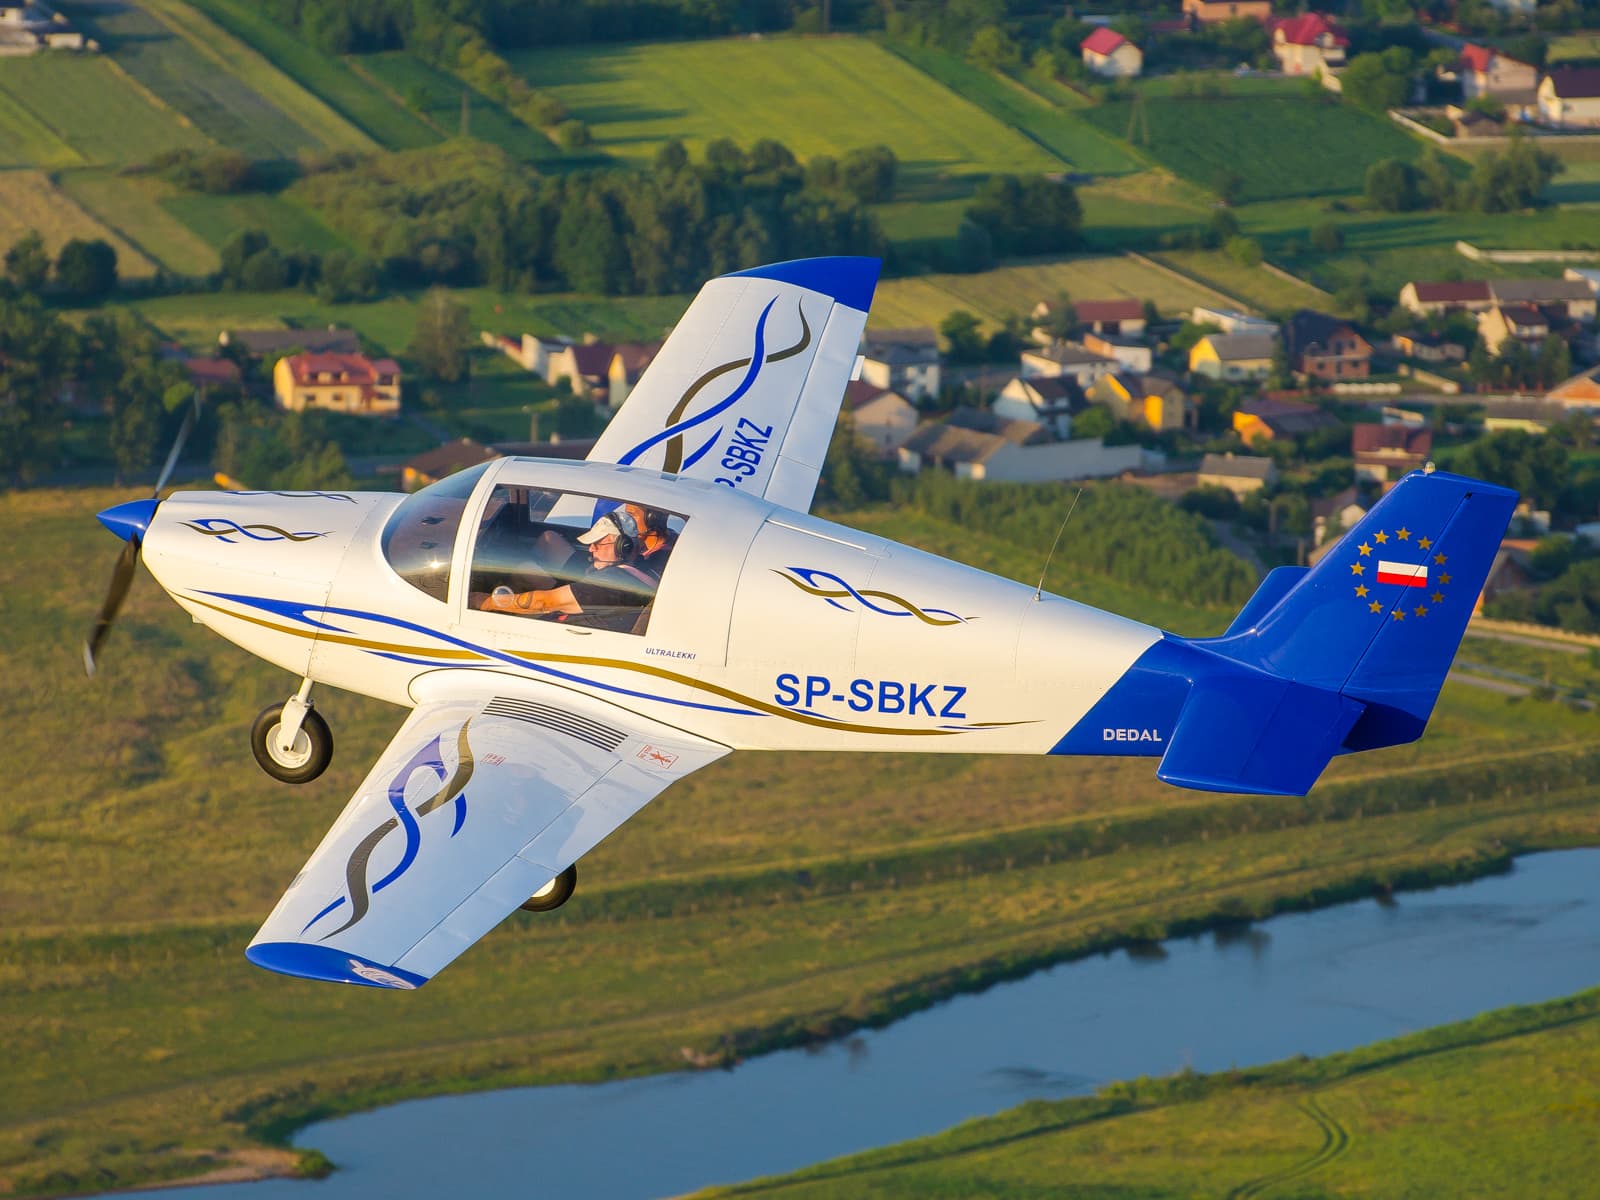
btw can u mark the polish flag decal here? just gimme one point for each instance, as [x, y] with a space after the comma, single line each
[1404, 574]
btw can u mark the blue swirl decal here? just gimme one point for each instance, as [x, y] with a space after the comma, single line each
[806, 579]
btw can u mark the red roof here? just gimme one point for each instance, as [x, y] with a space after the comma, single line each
[859, 392]
[221, 372]
[1371, 439]
[1103, 41]
[1476, 58]
[344, 368]
[1461, 291]
[1108, 310]
[1307, 28]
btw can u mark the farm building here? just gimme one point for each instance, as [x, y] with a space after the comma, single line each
[1233, 356]
[1151, 399]
[903, 360]
[1385, 452]
[1486, 72]
[1124, 317]
[1063, 358]
[1107, 52]
[1569, 97]
[1513, 322]
[1468, 295]
[1050, 401]
[1272, 419]
[879, 415]
[1582, 391]
[1131, 353]
[1229, 321]
[1213, 12]
[1308, 44]
[1241, 474]
[350, 383]
[267, 343]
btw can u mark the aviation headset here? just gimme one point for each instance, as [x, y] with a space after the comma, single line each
[629, 534]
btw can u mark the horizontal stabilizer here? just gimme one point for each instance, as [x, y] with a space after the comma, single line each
[1256, 733]
[1273, 588]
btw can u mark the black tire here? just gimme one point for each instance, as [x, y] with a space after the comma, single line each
[555, 893]
[313, 748]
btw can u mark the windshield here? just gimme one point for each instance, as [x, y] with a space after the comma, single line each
[420, 536]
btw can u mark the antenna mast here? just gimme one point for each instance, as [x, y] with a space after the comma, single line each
[1038, 592]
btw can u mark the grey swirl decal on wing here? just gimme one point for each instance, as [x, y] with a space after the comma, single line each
[225, 530]
[806, 579]
[452, 788]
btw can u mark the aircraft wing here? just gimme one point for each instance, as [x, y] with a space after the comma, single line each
[746, 390]
[490, 790]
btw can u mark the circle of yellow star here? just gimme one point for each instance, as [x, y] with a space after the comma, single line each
[1445, 579]
[1357, 569]
[1381, 537]
[1375, 606]
[1424, 543]
[1361, 589]
[1438, 597]
[1399, 614]
[1420, 611]
[1404, 534]
[1439, 560]
[1365, 549]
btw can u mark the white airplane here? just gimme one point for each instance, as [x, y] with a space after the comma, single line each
[574, 637]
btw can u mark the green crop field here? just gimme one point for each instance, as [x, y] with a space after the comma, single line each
[1135, 210]
[139, 1044]
[132, 205]
[87, 104]
[1583, 47]
[29, 201]
[372, 110]
[1059, 130]
[1504, 1104]
[1279, 146]
[816, 96]
[991, 295]
[1256, 287]
[26, 141]
[289, 224]
[437, 96]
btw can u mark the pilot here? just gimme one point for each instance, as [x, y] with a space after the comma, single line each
[608, 595]
[658, 540]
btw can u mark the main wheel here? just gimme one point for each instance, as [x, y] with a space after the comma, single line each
[555, 893]
[305, 760]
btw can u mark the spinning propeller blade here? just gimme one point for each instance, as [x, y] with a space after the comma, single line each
[129, 521]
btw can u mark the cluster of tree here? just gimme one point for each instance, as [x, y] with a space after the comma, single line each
[1018, 215]
[1536, 466]
[294, 451]
[1221, 232]
[1507, 181]
[1517, 367]
[463, 214]
[83, 270]
[1175, 554]
[1570, 601]
[109, 364]
[219, 172]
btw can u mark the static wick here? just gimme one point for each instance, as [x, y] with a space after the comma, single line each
[1038, 592]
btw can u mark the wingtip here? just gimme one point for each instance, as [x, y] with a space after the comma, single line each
[330, 965]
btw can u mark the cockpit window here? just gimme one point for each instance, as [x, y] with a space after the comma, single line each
[590, 561]
[420, 536]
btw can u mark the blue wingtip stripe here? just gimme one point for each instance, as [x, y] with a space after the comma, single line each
[331, 966]
[850, 281]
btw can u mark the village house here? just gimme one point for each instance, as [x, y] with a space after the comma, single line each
[982, 446]
[586, 366]
[1320, 346]
[628, 363]
[1230, 321]
[269, 343]
[1427, 347]
[1106, 52]
[1484, 71]
[879, 415]
[1241, 474]
[213, 374]
[903, 360]
[1588, 276]
[1332, 515]
[433, 465]
[1153, 399]
[1569, 98]
[1524, 416]
[1513, 322]
[1048, 400]
[30, 27]
[1063, 358]
[1579, 393]
[1385, 452]
[1233, 356]
[1213, 12]
[1130, 353]
[349, 383]
[1308, 44]
[1571, 298]
[1466, 295]
[1272, 418]
[1123, 318]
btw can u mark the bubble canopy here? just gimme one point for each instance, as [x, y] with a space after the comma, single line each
[420, 535]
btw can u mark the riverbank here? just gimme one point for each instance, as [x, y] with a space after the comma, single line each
[772, 900]
[1504, 1104]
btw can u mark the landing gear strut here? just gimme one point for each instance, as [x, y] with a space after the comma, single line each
[555, 893]
[292, 743]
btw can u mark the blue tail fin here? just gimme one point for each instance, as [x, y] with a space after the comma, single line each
[1349, 655]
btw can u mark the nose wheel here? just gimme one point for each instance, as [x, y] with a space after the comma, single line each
[555, 893]
[292, 742]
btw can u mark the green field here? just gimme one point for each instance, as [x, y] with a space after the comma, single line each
[1255, 287]
[132, 205]
[437, 96]
[816, 96]
[1502, 1105]
[372, 110]
[84, 105]
[1584, 47]
[1279, 146]
[30, 202]
[139, 1044]
[289, 224]
[1056, 129]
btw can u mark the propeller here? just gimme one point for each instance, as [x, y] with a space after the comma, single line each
[129, 522]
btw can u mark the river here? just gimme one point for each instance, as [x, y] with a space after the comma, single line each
[1308, 983]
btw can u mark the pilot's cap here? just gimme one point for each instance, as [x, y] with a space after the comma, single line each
[619, 521]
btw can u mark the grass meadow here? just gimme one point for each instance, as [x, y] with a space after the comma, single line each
[132, 205]
[816, 96]
[84, 104]
[1504, 1104]
[30, 201]
[139, 1044]
[372, 110]
[1255, 287]
[1279, 146]
[437, 97]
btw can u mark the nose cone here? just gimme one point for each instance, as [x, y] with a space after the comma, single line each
[129, 520]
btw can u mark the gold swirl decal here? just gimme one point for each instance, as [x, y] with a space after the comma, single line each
[928, 616]
[225, 530]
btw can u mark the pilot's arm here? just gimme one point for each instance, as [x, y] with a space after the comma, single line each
[531, 604]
